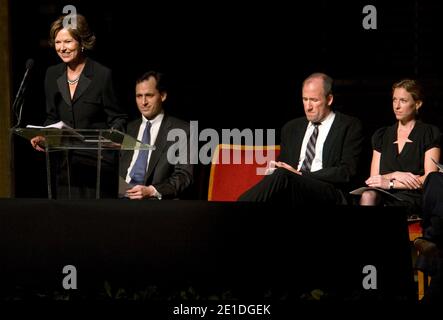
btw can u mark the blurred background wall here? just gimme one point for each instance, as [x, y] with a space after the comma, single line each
[230, 64]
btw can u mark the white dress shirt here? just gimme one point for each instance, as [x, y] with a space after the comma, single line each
[323, 131]
[155, 127]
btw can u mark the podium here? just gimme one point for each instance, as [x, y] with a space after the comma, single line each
[64, 140]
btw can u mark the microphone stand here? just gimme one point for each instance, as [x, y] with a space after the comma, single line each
[17, 112]
[17, 107]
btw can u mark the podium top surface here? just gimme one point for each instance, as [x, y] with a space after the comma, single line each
[59, 139]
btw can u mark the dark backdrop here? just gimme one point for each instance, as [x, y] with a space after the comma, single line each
[239, 65]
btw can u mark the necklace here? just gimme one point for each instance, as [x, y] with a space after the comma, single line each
[73, 81]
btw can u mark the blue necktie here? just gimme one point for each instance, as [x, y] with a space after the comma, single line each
[139, 169]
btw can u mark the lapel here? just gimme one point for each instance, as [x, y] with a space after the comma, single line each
[332, 136]
[63, 88]
[298, 141]
[160, 144]
[133, 129]
[84, 82]
[133, 132]
[85, 79]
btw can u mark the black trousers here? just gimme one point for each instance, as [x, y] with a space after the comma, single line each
[285, 186]
[433, 231]
[433, 207]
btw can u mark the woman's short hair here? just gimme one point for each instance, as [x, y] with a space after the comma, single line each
[81, 32]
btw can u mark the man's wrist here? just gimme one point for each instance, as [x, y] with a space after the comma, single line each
[156, 194]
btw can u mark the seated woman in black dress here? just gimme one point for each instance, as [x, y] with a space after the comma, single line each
[402, 153]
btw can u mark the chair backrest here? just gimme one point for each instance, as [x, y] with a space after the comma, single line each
[236, 168]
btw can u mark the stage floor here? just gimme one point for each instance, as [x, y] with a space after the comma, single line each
[245, 249]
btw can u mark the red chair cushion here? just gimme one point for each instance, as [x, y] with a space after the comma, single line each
[229, 180]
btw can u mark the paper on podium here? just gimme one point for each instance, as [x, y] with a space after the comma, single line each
[58, 125]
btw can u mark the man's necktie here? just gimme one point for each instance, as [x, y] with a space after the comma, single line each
[139, 169]
[310, 150]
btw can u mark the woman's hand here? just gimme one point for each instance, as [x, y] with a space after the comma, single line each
[37, 143]
[403, 180]
[409, 180]
[378, 182]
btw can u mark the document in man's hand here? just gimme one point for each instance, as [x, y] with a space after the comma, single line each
[359, 192]
[439, 165]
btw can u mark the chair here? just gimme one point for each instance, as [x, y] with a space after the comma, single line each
[415, 231]
[236, 168]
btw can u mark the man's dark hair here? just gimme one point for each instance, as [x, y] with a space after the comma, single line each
[158, 76]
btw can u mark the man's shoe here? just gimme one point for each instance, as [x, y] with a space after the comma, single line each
[427, 260]
[425, 247]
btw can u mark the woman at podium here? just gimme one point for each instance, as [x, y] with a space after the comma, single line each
[79, 91]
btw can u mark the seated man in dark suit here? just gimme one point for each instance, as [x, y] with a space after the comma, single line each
[433, 207]
[319, 152]
[430, 245]
[152, 174]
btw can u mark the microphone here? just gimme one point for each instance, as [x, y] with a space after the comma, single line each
[21, 90]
